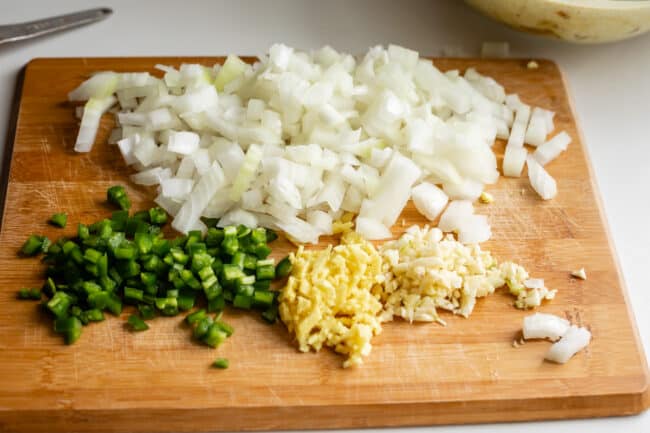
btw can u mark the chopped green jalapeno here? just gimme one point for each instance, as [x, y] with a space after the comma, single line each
[59, 219]
[221, 363]
[126, 259]
[137, 324]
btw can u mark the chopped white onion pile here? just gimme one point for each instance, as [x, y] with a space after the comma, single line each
[297, 139]
[572, 339]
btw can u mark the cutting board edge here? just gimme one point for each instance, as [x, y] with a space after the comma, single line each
[608, 233]
[318, 417]
[35, 61]
[10, 139]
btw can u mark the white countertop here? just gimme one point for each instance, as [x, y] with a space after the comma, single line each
[610, 85]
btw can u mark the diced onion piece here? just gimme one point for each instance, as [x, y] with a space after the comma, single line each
[540, 180]
[419, 136]
[152, 176]
[394, 189]
[537, 128]
[474, 229]
[466, 190]
[540, 325]
[408, 59]
[99, 86]
[184, 143]
[384, 114]
[379, 157]
[496, 50]
[352, 200]
[440, 170]
[486, 85]
[429, 200]
[246, 171]
[129, 80]
[169, 205]
[126, 146]
[176, 188]
[201, 159]
[332, 193]
[146, 151]
[280, 55]
[550, 150]
[93, 111]
[255, 109]
[454, 51]
[252, 199]
[135, 119]
[550, 126]
[534, 283]
[513, 161]
[502, 129]
[283, 189]
[238, 216]
[322, 221]
[127, 97]
[574, 340]
[352, 176]
[299, 230]
[186, 168]
[189, 214]
[518, 132]
[304, 153]
[160, 119]
[219, 205]
[455, 214]
[513, 102]
[196, 100]
[232, 68]
[371, 229]
[230, 155]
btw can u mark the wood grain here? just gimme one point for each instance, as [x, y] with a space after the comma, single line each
[467, 372]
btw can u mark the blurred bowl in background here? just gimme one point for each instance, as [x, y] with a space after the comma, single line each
[581, 21]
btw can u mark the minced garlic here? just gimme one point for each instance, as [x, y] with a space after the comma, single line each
[425, 271]
[580, 273]
[486, 198]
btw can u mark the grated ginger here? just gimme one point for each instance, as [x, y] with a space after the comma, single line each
[328, 299]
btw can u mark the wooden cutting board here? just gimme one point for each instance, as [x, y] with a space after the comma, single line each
[159, 380]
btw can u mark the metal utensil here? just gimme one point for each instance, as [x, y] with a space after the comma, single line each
[32, 29]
